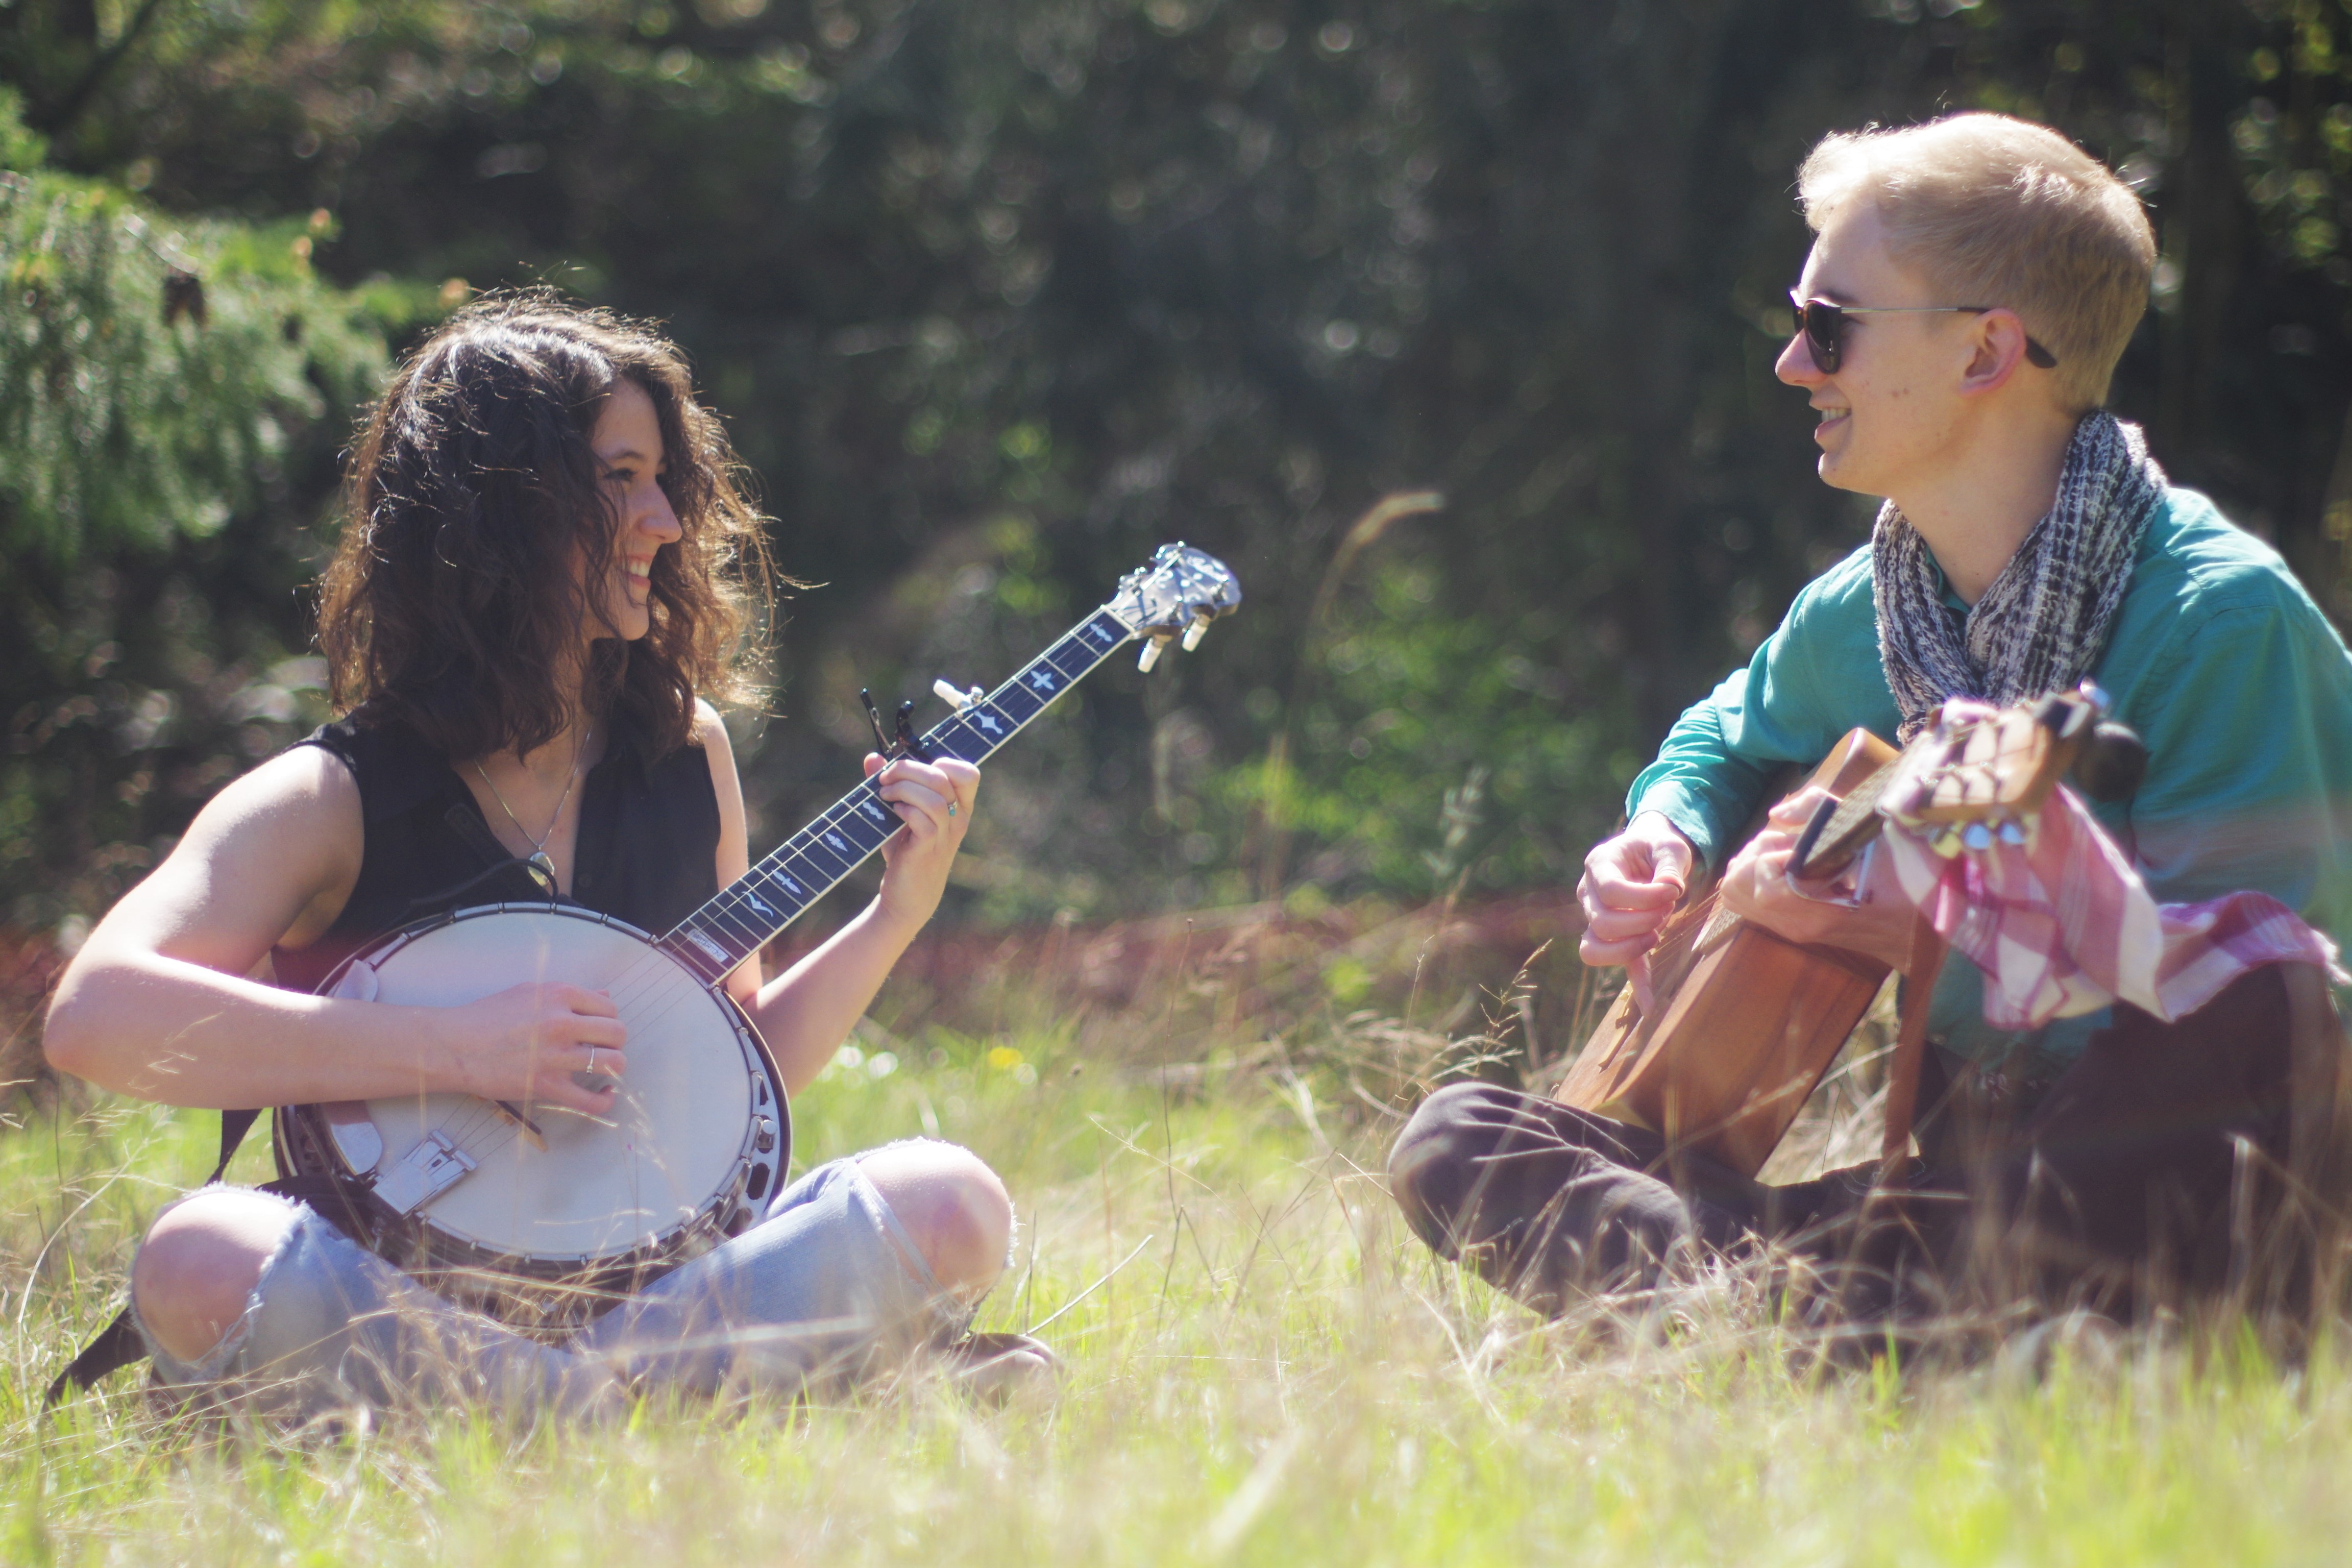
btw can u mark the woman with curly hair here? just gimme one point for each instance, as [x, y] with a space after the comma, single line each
[534, 592]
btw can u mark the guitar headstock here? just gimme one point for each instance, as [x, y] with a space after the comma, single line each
[1977, 774]
[1178, 592]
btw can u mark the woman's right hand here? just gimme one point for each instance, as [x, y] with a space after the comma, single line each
[523, 1044]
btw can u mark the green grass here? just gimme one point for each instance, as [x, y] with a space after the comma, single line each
[1263, 1368]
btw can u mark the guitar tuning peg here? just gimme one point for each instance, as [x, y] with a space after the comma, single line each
[1150, 655]
[944, 689]
[2113, 761]
[1194, 633]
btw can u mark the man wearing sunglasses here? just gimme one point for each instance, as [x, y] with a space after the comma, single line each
[1972, 286]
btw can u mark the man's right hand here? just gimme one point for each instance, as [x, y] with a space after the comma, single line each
[524, 1043]
[1631, 883]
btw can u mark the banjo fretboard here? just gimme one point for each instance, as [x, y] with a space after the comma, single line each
[750, 912]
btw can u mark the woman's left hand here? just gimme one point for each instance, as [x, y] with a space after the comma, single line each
[934, 800]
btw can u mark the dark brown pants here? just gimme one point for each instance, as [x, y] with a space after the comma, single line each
[2134, 1179]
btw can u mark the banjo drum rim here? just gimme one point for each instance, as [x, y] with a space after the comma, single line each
[305, 1146]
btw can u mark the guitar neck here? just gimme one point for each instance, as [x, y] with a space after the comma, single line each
[750, 912]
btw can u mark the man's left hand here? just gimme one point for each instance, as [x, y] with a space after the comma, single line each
[1757, 887]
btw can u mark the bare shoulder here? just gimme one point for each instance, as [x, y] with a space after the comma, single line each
[271, 859]
[710, 734]
[710, 731]
[734, 848]
[301, 808]
[302, 788]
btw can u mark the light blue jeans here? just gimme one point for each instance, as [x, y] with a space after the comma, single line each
[825, 1290]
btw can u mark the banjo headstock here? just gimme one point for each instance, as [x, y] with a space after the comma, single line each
[1178, 592]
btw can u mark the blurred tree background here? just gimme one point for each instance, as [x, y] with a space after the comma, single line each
[995, 297]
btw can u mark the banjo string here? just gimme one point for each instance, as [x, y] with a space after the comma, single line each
[462, 1129]
[650, 968]
[638, 988]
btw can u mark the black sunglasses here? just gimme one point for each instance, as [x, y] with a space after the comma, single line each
[1823, 323]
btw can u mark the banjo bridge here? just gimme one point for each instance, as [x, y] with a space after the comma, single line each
[430, 1166]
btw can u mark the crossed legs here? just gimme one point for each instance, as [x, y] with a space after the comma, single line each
[195, 1278]
[2125, 1179]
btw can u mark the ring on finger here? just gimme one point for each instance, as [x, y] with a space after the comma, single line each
[951, 808]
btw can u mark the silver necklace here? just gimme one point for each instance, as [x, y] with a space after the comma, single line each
[542, 864]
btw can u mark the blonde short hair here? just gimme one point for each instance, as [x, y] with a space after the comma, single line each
[1996, 211]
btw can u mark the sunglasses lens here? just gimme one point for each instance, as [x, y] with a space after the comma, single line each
[1822, 324]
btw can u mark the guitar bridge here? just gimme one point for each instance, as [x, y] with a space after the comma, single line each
[431, 1167]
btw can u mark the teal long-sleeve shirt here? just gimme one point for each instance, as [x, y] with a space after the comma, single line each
[2233, 677]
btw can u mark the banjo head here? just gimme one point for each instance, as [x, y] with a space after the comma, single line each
[682, 1141]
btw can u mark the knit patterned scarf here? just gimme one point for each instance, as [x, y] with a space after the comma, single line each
[2044, 623]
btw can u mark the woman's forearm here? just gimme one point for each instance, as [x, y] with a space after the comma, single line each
[168, 1030]
[806, 1012]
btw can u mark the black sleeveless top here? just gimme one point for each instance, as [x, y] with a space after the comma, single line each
[645, 853]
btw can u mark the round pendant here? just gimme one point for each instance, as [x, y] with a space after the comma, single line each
[542, 866]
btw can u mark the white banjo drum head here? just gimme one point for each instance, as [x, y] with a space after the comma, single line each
[675, 1134]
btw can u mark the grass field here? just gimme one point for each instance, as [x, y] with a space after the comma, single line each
[1263, 1368]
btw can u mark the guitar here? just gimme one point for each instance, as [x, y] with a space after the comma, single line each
[1745, 1022]
[540, 1216]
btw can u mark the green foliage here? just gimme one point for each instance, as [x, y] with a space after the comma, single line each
[1094, 274]
[1399, 694]
[21, 149]
[154, 374]
[172, 392]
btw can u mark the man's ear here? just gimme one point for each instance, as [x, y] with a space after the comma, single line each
[1996, 343]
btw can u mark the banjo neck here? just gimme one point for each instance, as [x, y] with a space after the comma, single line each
[1181, 592]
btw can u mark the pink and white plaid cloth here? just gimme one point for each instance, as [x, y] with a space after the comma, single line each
[2063, 924]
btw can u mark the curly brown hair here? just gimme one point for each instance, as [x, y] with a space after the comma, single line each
[448, 605]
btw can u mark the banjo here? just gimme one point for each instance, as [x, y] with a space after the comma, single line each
[540, 1214]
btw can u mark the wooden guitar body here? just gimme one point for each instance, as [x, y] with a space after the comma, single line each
[1745, 1024]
